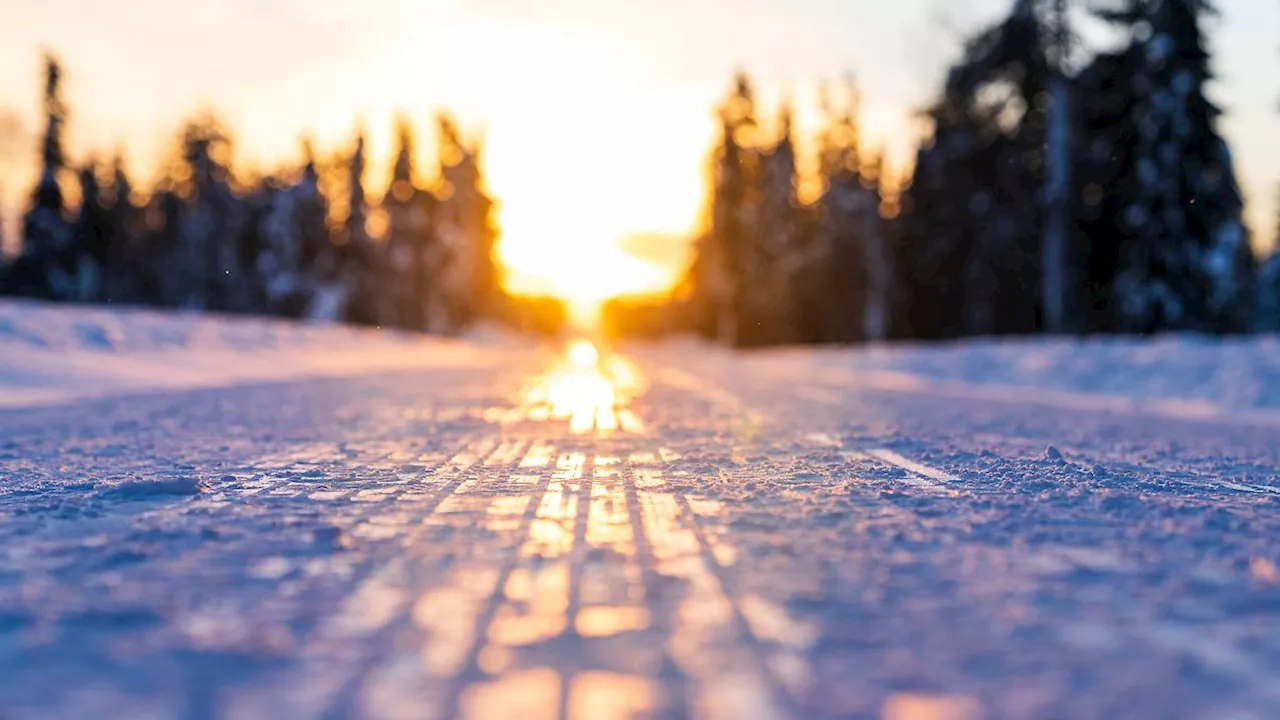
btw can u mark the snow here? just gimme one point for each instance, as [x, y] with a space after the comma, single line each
[56, 354]
[1172, 374]
[487, 529]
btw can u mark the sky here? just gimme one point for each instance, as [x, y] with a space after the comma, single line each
[596, 116]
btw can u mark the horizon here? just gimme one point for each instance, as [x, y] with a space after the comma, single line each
[597, 121]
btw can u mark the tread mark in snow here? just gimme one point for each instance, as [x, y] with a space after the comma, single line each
[920, 475]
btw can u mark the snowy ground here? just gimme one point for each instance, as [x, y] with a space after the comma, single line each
[1020, 530]
[52, 355]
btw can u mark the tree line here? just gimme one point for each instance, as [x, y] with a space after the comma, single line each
[305, 242]
[1100, 200]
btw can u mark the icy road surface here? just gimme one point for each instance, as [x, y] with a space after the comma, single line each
[663, 533]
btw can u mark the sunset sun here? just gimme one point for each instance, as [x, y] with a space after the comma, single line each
[578, 144]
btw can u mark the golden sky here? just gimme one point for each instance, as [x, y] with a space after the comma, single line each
[596, 115]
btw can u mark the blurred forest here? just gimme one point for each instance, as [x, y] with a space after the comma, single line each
[1047, 198]
[303, 242]
[1054, 193]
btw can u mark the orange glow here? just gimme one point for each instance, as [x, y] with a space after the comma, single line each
[590, 390]
[580, 155]
[587, 141]
[581, 273]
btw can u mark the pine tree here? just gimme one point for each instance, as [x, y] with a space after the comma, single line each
[1105, 124]
[279, 264]
[287, 236]
[855, 277]
[359, 257]
[937, 230]
[45, 268]
[833, 297]
[732, 239]
[127, 268]
[777, 256]
[969, 258]
[264, 241]
[92, 241]
[486, 283]
[464, 269]
[1058, 165]
[1189, 263]
[211, 269]
[318, 260]
[164, 245]
[408, 237]
[719, 266]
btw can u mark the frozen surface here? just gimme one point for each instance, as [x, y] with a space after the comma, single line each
[51, 354]
[672, 531]
[1170, 375]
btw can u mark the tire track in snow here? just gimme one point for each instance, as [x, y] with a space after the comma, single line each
[918, 474]
[331, 664]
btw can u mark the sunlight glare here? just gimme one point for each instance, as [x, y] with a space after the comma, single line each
[590, 389]
[583, 354]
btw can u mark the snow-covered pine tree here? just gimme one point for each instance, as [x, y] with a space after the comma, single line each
[1057, 230]
[1008, 297]
[317, 262]
[851, 231]
[1105, 124]
[449, 256]
[1188, 264]
[45, 266]
[288, 228]
[127, 268]
[408, 237]
[486, 278]
[260, 244]
[721, 262]
[359, 257]
[735, 213]
[844, 286]
[211, 271]
[463, 252]
[279, 261]
[704, 287]
[969, 257]
[92, 237]
[937, 228]
[777, 258]
[164, 245]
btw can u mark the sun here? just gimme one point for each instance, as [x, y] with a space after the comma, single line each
[583, 354]
[577, 271]
[560, 231]
[584, 146]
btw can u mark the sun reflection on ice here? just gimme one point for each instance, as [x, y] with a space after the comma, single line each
[589, 389]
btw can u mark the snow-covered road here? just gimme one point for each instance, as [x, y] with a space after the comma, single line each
[667, 531]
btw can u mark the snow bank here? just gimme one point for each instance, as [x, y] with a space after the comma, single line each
[1176, 375]
[54, 354]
